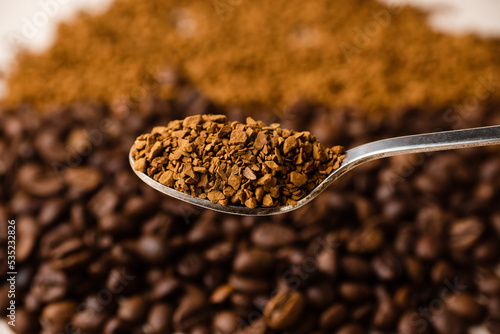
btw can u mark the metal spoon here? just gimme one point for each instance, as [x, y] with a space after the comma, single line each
[438, 141]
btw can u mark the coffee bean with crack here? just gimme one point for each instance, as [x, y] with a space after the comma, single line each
[284, 310]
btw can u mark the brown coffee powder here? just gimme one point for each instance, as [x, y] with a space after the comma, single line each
[233, 163]
[359, 53]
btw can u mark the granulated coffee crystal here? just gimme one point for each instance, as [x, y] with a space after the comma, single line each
[248, 164]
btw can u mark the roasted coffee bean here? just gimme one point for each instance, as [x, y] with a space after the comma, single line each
[327, 262]
[366, 241]
[27, 235]
[351, 329]
[221, 294]
[442, 271]
[404, 240]
[83, 179]
[152, 249]
[362, 314]
[465, 306]
[241, 300]
[489, 284]
[431, 221]
[220, 253]
[385, 315]
[405, 298]
[464, 233]
[214, 277]
[487, 251]
[36, 181]
[320, 295]
[355, 292]
[204, 230]
[253, 262]
[89, 320]
[445, 322]
[268, 235]
[355, 267]
[411, 322]
[58, 314]
[121, 280]
[414, 269]
[248, 285]
[200, 329]
[190, 265]
[132, 309]
[165, 288]
[115, 326]
[159, 319]
[51, 210]
[104, 202]
[225, 322]
[428, 247]
[284, 310]
[189, 307]
[333, 317]
[494, 307]
[49, 285]
[387, 266]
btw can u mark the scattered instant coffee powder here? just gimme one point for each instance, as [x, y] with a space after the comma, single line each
[248, 164]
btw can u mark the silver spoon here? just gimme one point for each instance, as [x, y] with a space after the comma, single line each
[439, 141]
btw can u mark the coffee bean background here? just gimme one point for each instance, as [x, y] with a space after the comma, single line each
[408, 244]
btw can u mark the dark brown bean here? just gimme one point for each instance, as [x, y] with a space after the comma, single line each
[465, 306]
[355, 267]
[428, 247]
[327, 262]
[351, 329]
[411, 322]
[253, 262]
[152, 249]
[284, 310]
[58, 314]
[366, 240]
[320, 295]
[386, 315]
[355, 292]
[159, 319]
[333, 316]
[445, 322]
[248, 285]
[89, 320]
[225, 322]
[132, 309]
[268, 235]
[464, 233]
[49, 285]
[387, 266]
[27, 235]
[165, 288]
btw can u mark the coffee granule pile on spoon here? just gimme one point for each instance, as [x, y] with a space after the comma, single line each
[250, 164]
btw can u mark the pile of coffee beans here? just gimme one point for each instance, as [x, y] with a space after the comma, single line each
[233, 163]
[408, 244]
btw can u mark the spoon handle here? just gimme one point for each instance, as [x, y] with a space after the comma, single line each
[429, 142]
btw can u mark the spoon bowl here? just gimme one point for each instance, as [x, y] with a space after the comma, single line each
[438, 141]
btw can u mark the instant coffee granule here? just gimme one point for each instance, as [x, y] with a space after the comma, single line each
[338, 53]
[248, 164]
